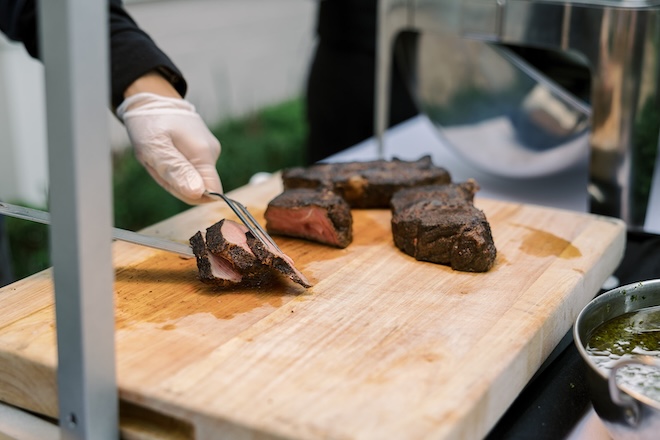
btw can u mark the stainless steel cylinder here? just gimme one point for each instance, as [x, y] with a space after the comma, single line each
[617, 41]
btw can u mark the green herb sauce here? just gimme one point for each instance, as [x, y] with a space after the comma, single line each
[635, 333]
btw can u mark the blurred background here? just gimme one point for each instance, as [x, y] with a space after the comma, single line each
[246, 63]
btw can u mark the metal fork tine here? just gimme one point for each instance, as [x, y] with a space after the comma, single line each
[248, 220]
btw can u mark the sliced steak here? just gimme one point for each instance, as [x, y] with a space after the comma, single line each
[212, 269]
[227, 239]
[231, 255]
[439, 224]
[313, 214]
[367, 184]
[272, 257]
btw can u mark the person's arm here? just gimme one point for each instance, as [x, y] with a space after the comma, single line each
[18, 23]
[152, 82]
[133, 54]
[169, 137]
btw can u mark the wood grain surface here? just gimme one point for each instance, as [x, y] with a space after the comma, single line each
[382, 346]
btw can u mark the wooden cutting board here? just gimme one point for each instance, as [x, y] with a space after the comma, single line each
[382, 346]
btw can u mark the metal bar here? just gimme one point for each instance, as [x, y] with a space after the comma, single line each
[382, 77]
[39, 216]
[181, 249]
[34, 215]
[74, 48]
[392, 16]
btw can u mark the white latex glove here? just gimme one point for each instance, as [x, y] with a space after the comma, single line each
[173, 143]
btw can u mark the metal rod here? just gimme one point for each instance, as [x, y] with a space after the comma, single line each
[73, 44]
[39, 216]
[382, 78]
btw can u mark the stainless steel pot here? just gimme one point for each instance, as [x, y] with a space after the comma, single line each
[626, 413]
[540, 132]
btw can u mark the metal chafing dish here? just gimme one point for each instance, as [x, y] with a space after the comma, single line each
[469, 50]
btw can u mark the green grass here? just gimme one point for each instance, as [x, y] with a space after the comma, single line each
[268, 140]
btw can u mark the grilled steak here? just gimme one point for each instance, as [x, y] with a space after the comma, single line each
[212, 269]
[439, 224]
[231, 255]
[313, 214]
[276, 259]
[227, 239]
[366, 184]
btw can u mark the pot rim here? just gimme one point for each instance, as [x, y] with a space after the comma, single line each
[613, 303]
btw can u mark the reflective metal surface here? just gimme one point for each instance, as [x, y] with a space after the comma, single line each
[616, 41]
[497, 111]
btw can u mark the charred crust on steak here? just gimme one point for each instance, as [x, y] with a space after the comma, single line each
[452, 194]
[206, 261]
[367, 185]
[277, 260]
[227, 258]
[227, 239]
[317, 215]
[201, 255]
[439, 224]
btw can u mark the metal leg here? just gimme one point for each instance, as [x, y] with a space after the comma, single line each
[6, 273]
[74, 45]
[383, 65]
[393, 17]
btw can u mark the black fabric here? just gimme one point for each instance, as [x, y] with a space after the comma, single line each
[642, 258]
[350, 23]
[340, 86]
[132, 52]
[557, 398]
[18, 23]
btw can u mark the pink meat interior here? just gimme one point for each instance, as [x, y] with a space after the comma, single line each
[234, 233]
[221, 268]
[309, 222]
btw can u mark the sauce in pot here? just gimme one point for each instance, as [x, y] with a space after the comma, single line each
[635, 333]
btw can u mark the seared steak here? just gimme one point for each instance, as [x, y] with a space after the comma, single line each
[439, 224]
[227, 239]
[366, 184]
[231, 255]
[272, 257]
[212, 269]
[313, 214]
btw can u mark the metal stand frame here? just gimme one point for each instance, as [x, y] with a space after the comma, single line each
[74, 45]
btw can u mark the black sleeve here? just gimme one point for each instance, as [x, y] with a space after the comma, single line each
[19, 23]
[132, 52]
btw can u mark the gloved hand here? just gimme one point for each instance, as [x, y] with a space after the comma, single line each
[173, 143]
